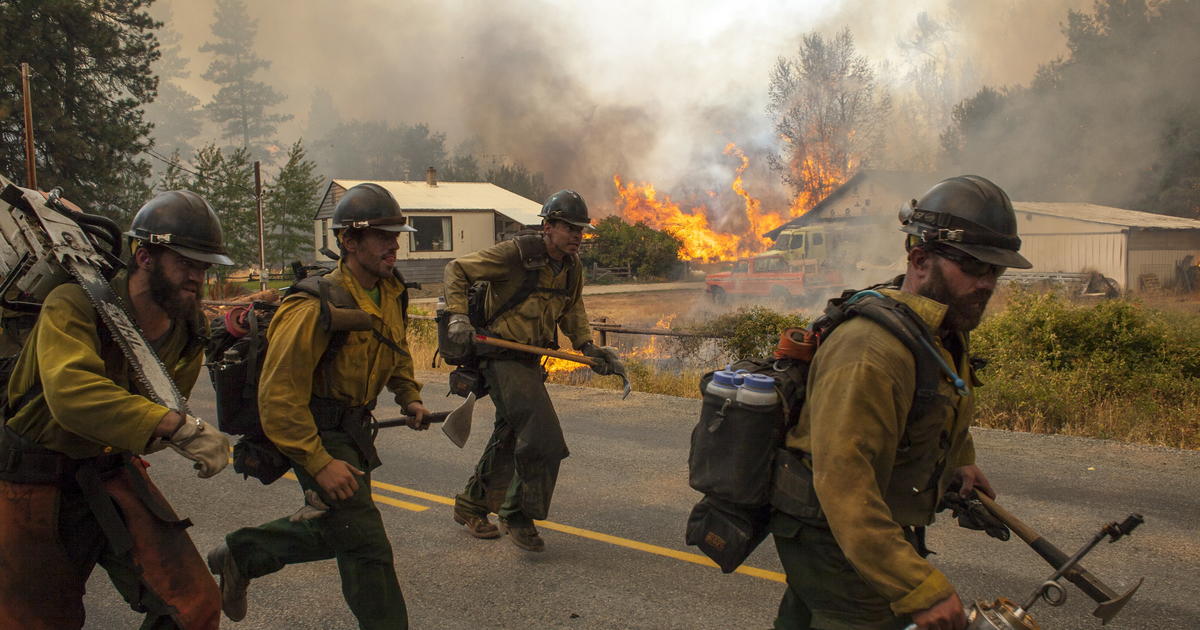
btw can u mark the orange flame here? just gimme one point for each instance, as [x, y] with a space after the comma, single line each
[554, 365]
[640, 203]
[760, 222]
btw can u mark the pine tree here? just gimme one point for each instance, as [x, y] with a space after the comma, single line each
[176, 112]
[174, 178]
[289, 207]
[239, 215]
[226, 181]
[91, 75]
[241, 104]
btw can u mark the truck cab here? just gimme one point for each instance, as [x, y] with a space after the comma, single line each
[812, 242]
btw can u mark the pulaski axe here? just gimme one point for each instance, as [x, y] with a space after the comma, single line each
[455, 424]
[1110, 603]
[547, 352]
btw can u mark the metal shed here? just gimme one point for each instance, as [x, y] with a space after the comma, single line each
[1136, 249]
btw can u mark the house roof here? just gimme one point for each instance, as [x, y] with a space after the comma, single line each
[448, 197]
[899, 180]
[1107, 215]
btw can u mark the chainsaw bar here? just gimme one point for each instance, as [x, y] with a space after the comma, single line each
[74, 251]
[148, 369]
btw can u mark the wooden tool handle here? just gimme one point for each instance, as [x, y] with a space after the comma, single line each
[1026, 532]
[439, 416]
[546, 352]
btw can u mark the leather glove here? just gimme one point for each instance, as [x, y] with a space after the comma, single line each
[607, 361]
[313, 507]
[202, 443]
[972, 515]
[460, 329]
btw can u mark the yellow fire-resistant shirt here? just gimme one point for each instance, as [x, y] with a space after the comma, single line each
[860, 390]
[535, 320]
[361, 369]
[88, 401]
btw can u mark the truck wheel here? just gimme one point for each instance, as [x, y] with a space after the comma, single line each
[718, 295]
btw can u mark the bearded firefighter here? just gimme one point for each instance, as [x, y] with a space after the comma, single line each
[73, 488]
[883, 451]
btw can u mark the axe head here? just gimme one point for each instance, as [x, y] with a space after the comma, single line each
[1109, 609]
[457, 426]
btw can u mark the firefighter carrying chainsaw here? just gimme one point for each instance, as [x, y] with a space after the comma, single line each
[101, 380]
[523, 290]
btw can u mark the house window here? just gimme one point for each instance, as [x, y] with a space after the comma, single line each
[434, 234]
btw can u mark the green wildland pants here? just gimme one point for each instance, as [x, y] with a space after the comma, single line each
[518, 470]
[824, 591]
[351, 532]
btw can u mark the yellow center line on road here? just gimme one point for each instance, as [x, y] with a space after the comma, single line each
[685, 556]
[415, 507]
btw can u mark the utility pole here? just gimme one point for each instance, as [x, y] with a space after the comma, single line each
[30, 165]
[262, 248]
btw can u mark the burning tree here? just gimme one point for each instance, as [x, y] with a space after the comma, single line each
[828, 114]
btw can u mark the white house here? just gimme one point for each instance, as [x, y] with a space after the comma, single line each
[451, 218]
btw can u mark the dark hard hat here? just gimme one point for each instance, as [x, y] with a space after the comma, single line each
[370, 206]
[568, 206]
[970, 214]
[183, 222]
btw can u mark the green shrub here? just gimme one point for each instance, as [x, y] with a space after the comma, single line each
[750, 331]
[1116, 369]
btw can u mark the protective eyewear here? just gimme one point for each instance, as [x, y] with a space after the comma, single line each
[971, 266]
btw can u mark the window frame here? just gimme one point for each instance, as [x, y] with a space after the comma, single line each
[447, 226]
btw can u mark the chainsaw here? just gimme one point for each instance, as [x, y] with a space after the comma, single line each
[43, 244]
[1005, 614]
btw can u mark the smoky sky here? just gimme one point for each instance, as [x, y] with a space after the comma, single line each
[582, 91]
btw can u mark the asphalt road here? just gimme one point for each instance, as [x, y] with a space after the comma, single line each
[615, 556]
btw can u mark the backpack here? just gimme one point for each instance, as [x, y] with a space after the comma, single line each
[737, 457]
[235, 367]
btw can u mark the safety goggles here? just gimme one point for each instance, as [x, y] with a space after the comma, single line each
[969, 265]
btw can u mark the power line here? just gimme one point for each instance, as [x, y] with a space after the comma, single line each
[158, 156]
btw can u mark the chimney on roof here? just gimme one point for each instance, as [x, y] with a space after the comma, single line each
[431, 176]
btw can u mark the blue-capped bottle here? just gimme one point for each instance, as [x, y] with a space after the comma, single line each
[757, 390]
[723, 384]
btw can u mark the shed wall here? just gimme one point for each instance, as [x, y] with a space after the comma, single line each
[1058, 244]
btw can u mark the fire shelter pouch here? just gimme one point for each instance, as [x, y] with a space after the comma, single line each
[726, 533]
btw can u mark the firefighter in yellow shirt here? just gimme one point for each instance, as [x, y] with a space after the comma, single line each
[879, 470]
[518, 470]
[317, 410]
[73, 491]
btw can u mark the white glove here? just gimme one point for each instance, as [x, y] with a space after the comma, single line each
[202, 443]
[460, 329]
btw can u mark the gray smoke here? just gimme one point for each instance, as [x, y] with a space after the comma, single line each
[583, 91]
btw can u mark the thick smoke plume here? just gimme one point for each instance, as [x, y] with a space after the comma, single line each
[583, 91]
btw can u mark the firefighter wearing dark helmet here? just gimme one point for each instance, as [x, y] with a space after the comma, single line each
[73, 489]
[317, 409]
[517, 472]
[855, 557]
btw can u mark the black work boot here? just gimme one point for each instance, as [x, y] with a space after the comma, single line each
[477, 524]
[523, 535]
[233, 585]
